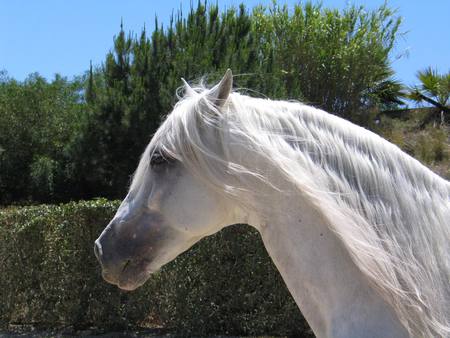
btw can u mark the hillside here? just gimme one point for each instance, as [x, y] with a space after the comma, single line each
[421, 133]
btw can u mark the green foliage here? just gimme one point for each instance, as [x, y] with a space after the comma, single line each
[82, 139]
[225, 284]
[336, 60]
[38, 119]
[433, 85]
[434, 90]
[44, 254]
[42, 173]
[273, 52]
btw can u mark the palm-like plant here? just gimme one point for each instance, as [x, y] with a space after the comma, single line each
[434, 89]
[388, 92]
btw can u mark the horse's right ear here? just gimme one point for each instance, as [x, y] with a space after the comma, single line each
[218, 94]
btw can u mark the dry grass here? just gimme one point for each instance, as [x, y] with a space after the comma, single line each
[429, 144]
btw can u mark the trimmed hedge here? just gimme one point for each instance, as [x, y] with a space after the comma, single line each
[226, 284]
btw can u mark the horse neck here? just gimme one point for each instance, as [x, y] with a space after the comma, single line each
[331, 292]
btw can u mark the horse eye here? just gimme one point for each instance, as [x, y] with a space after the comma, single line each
[158, 158]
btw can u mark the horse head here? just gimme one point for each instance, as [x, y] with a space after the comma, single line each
[167, 209]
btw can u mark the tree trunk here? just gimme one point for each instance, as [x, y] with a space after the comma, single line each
[434, 103]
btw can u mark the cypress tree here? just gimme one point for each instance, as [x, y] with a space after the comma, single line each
[90, 90]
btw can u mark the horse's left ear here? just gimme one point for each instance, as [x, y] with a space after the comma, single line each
[218, 95]
[188, 89]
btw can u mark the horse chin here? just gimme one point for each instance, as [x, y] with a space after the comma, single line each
[130, 286]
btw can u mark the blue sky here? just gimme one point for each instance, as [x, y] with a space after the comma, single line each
[54, 36]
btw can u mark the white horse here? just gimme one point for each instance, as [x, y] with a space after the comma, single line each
[358, 229]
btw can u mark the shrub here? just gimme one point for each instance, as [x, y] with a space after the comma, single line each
[50, 278]
[432, 145]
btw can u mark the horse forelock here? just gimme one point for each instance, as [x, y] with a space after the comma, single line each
[390, 211]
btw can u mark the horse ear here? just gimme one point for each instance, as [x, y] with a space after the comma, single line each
[218, 95]
[188, 89]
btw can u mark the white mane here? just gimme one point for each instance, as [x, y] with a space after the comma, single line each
[391, 212]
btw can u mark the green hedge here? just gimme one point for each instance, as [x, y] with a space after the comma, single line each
[226, 284]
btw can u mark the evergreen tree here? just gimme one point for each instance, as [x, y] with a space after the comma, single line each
[90, 90]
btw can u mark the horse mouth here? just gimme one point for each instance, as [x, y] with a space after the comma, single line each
[126, 265]
[133, 275]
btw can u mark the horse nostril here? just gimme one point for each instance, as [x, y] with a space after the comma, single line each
[97, 250]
